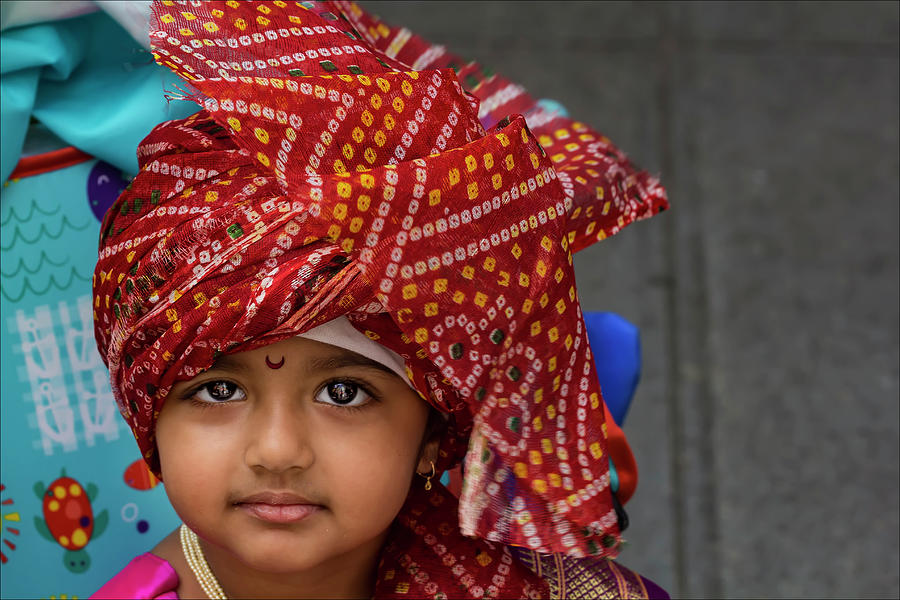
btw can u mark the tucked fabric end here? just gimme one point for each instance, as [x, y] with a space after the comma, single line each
[147, 576]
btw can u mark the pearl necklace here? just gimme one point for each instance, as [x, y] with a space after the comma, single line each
[193, 553]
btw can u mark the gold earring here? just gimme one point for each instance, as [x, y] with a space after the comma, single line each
[428, 477]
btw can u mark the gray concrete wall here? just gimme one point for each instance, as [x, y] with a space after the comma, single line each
[766, 423]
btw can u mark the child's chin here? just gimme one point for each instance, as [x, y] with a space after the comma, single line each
[283, 567]
[281, 561]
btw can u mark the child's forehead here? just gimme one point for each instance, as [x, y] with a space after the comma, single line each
[299, 353]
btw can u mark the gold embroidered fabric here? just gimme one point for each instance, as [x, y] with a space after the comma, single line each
[587, 578]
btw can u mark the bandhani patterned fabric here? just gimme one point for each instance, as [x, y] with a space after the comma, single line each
[608, 191]
[339, 167]
[587, 577]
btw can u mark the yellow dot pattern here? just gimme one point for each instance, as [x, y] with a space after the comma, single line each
[79, 538]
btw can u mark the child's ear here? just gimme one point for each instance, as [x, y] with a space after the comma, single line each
[428, 455]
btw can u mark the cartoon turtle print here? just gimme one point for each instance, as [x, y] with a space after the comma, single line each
[69, 519]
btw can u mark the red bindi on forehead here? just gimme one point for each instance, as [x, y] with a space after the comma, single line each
[274, 365]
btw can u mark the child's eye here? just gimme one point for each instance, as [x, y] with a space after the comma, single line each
[217, 392]
[343, 393]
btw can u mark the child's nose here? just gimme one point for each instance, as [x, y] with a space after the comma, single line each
[278, 438]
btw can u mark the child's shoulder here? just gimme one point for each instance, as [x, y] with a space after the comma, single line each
[149, 575]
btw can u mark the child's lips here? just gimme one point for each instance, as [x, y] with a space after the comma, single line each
[278, 507]
[279, 513]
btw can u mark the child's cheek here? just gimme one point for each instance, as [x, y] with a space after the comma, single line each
[377, 495]
[374, 478]
[191, 463]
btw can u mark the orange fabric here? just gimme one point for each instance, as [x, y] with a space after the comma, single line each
[620, 452]
[29, 166]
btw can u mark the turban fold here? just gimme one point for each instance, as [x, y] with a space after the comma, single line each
[325, 176]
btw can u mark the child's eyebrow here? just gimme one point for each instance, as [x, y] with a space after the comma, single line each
[347, 359]
[227, 362]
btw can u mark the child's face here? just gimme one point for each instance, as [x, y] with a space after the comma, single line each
[286, 468]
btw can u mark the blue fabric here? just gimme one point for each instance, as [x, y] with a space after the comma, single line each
[17, 92]
[551, 105]
[89, 82]
[616, 345]
[613, 477]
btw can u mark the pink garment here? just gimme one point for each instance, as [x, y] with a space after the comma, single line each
[147, 576]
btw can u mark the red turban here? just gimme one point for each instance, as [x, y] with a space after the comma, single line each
[324, 178]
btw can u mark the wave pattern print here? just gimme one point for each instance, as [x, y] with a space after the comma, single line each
[49, 248]
[52, 284]
[32, 270]
[48, 237]
[31, 210]
[42, 233]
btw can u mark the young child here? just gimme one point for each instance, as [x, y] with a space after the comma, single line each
[331, 285]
